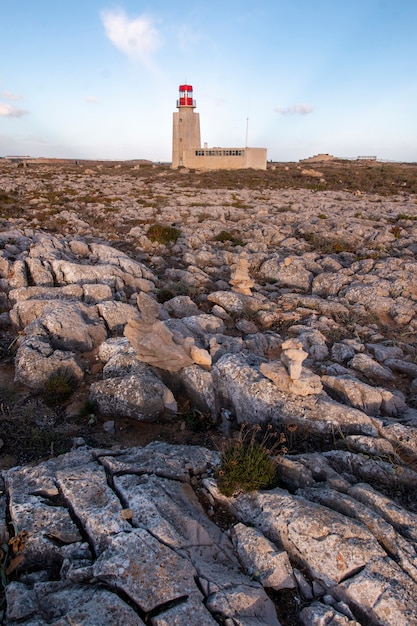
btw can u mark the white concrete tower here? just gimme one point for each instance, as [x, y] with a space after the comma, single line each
[186, 127]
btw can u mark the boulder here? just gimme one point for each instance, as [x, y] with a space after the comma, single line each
[143, 397]
[36, 361]
[373, 370]
[289, 272]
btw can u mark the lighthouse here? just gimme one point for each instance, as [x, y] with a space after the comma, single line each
[186, 126]
[186, 143]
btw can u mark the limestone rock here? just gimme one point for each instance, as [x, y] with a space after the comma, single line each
[116, 315]
[240, 280]
[230, 301]
[168, 558]
[289, 272]
[252, 399]
[371, 368]
[70, 325]
[148, 307]
[293, 356]
[199, 387]
[154, 344]
[305, 384]
[181, 306]
[36, 361]
[318, 614]
[142, 397]
[261, 559]
[201, 357]
[371, 400]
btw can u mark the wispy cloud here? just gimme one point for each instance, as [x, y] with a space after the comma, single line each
[7, 110]
[295, 109]
[91, 99]
[137, 37]
[11, 96]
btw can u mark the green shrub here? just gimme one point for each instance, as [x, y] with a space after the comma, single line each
[225, 235]
[59, 387]
[248, 464]
[163, 234]
[404, 216]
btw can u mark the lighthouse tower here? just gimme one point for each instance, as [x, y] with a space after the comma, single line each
[186, 126]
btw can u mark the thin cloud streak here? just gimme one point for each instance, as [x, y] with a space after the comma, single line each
[11, 96]
[295, 109]
[7, 110]
[137, 37]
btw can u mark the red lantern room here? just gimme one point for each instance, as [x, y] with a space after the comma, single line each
[186, 97]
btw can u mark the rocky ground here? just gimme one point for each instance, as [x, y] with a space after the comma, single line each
[145, 316]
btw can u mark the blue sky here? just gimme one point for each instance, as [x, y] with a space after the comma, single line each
[99, 79]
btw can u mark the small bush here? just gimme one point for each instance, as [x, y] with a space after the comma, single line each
[163, 234]
[328, 246]
[225, 235]
[248, 464]
[59, 387]
[404, 216]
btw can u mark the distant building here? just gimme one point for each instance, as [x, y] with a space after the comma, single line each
[186, 142]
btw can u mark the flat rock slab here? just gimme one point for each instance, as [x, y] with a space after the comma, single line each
[114, 536]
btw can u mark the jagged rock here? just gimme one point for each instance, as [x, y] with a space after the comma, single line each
[116, 315]
[86, 513]
[374, 471]
[168, 558]
[142, 397]
[198, 386]
[332, 308]
[318, 614]
[382, 353]
[154, 344]
[201, 327]
[371, 400]
[403, 437]
[246, 327]
[69, 292]
[149, 308]
[405, 367]
[17, 276]
[230, 301]
[342, 353]
[40, 271]
[75, 604]
[313, 341]
[289, 272]
[96, 293]
[181, 306]
[371, 446]
[70, 325]
[358, 572]
[261, 559]
[36, 361]
[331, 546]
[370, 368]
[253, 399]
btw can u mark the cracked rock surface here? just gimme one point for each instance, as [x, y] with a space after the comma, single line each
[159, 337]
[126, 526]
